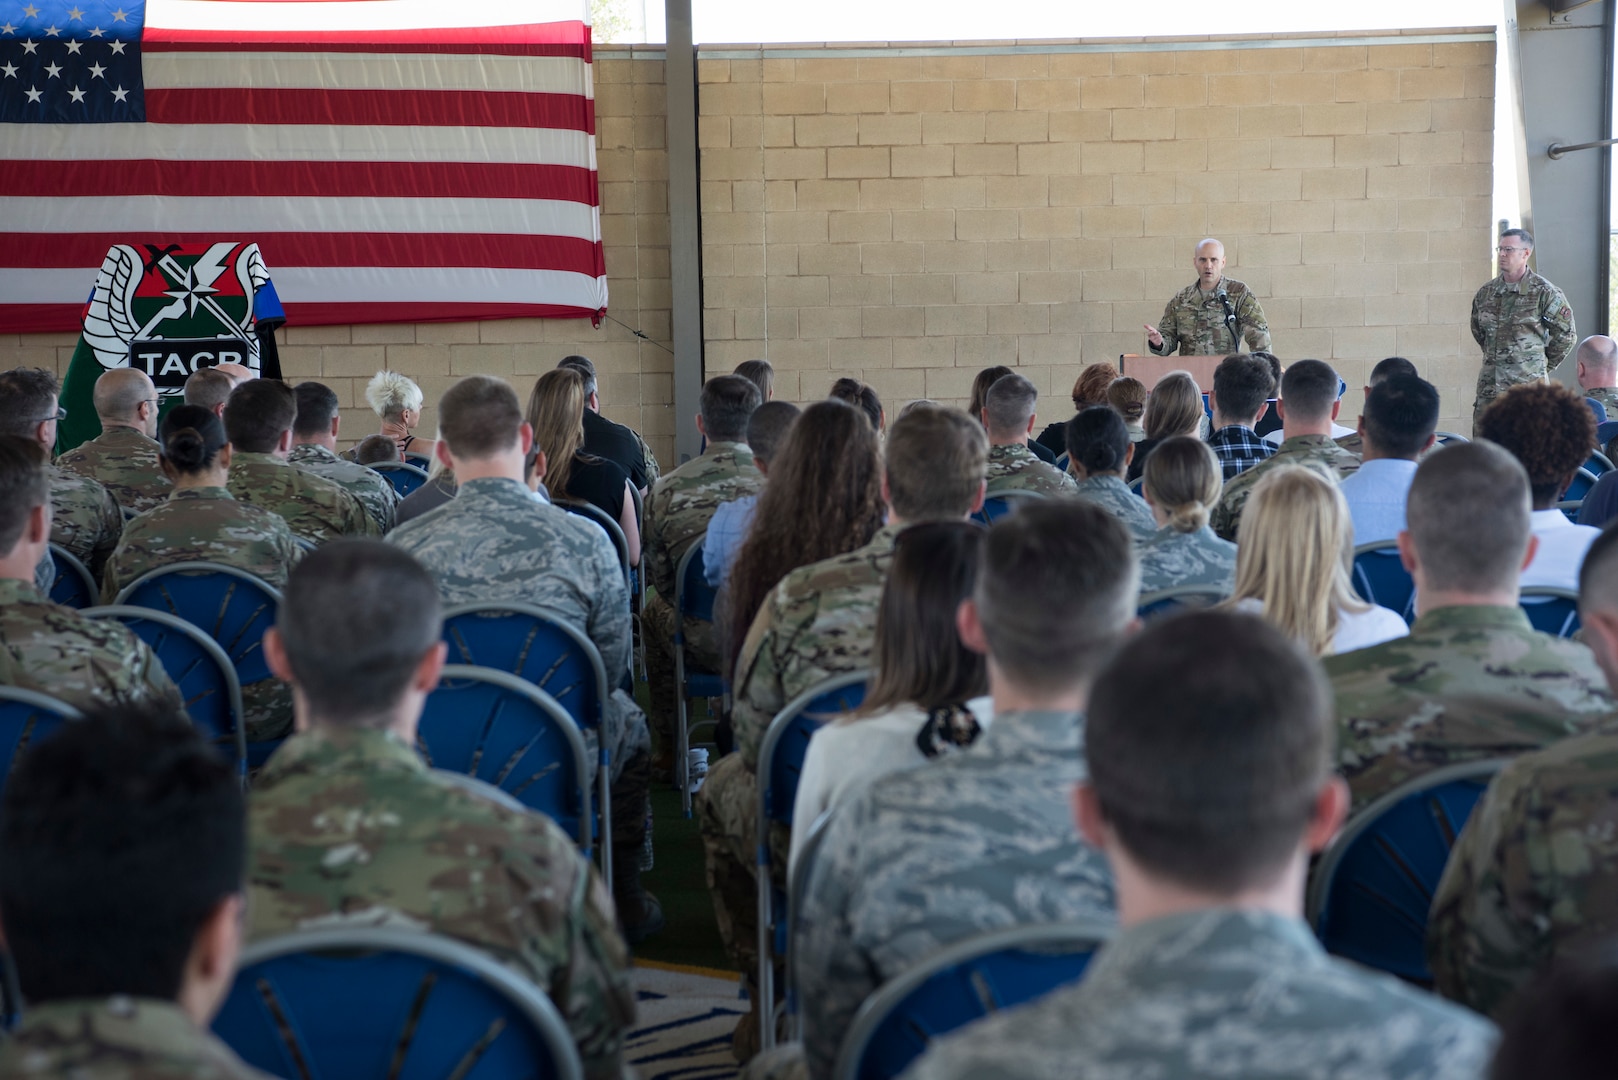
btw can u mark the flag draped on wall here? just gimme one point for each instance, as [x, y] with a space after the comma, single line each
[394, 160]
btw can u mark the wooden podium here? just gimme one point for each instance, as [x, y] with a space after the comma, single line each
[1149, 369]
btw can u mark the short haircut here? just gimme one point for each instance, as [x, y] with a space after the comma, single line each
[768, 426]
[1055, 591]
[1547, 427]
[1389, 367]
[980, 389]
[1010, 403]
[27, 397]
[1271, 361]
[1184, 480]
[1242, 383]
[191, 438]
[208, 387]
[120, 392]
[935, 463]
[1561, 1023]
[1174, 407]
[1098, 440]
[1090, 388]
[1468, 513]
[761, 373]
[390, 393]
[862, 397]
[585, 367]
[120, 835]
[1598, 351]
[1522, 234]
[1209, 775]
[1401, 414]
[357, 617]
[727, 403]
[1598, 576]
[258, 413]
[1127, 397]
[24, 484]
[317, 408]
[479, 417]
[375, 449]
[1308, 389]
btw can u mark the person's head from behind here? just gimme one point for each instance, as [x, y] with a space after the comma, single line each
[375, 450]
[1560, 1024]
[1309, 397]
[318, 416]
[917, 652]
[259, 415]
[556, 415]
[1400, 417]
[1008, 410]
[934, 466]
[1390, 366]
[980, 390]
[123, 846]
[1597, 357]
[863, 398]
[1055, 593]
[761, 373]
[1242, 386]
[587, 371]
[358, 637]
[1598, 602]
[193, 445]
[767, 429]
[1548, 428]
[28, 404]
[1174, 407]
[1098, 443]
[1468, 529]
[1204, 779]
[395, 398]
[1090, 388]
[1182, 482]
[479, 420]
[726, 405]
[209, 388]
[125, 397]
[25, 505]
[1127, 397]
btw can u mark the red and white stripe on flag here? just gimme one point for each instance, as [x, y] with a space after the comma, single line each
[395, 161]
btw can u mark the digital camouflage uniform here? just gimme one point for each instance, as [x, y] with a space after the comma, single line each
[1317, 451]
[84, 662]
[1220, 993]
[85, 518]
[1015, 468]
[1170, 559]
[1114, 496]
[314, 508]
[1199, 323]
[1525, 330]
[1608, 396]
[126, 463]
[681, 505]
[117, 1038]
[349, 827]
[1468, 683]
[1533, 877]
[373, 491]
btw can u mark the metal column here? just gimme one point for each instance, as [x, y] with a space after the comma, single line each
[685, 226]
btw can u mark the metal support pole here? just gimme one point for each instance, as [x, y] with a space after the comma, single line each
[685, 226]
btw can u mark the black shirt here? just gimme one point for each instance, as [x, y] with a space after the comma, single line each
[1054, 439]
[598, 482]
[615, 443]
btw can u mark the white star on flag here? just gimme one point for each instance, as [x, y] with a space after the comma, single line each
[53, 70]
[96, 71]
[96, 31]
[7, 28]
[30, 11]
[76, 14]
[73, 47]
[117, 47]
[53, 31]
[29, 46]
[119, 93]
[10, 70]
[76, 94]
[119, 16]
[33, 95]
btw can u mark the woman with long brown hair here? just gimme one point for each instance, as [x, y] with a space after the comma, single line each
[556, 413]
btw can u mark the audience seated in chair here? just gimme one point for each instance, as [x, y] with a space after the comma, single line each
[1395, 430]
[1209, 790]
[1127, 398]
[1173, 408]
[349, 827]
[761, 373]
[621, 445]
[767, 431]
[209, 388]
[122, 851]
[1597, 371]
[1008, 415]
[1090, 388]
[123, 458]
[314, 450]
[1099, 452]
[1181, 486]
[376, 450]
[863, 398]
[556, 413]
[1473, 680]
[1385, 369]
[397, 400]
[1242, 387]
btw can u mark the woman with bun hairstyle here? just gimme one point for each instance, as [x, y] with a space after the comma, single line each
[1182, 487]
[1128, 397]
[1099, 451]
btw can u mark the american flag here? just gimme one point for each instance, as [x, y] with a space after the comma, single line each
[395, 160]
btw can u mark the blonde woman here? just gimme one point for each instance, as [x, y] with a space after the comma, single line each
[1293, 550]
[396, 399]
[1128, 399]
[556, 413]
[1182, 487]
[1174, 407]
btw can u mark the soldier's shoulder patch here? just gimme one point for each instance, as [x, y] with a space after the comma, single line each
[1567, 312]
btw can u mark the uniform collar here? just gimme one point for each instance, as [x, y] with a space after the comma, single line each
[1170, 942]
[1471, 617]
[324, 749]
[1034, 729]
[1017, 451]
[501, 488]
[1549, 519]
[124, 434]
[1309, 442]
[202, 493]
[13, 591]
[312, 451]
[141, 1024]
[245, 458]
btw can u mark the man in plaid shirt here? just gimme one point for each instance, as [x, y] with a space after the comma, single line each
[1242, 385]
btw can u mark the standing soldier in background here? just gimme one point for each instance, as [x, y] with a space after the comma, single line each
[1212, 315]
[1521, 321]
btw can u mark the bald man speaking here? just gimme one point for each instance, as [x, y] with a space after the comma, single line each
[1211, 316]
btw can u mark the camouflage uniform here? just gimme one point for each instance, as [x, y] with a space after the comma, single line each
[1318, 451]
[1198, 323]
[681, 505]
[126, 463]
[84, 662]
[117, 1038]
[1114, 496]
[1608, 396]
[85, 518]
[379, 497]
[349, 827]
[1468, 683]
[1525, 330]
[314, 508]
[1170, 559]
[1015, 468]
[1220, 993]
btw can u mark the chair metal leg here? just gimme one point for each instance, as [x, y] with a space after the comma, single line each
[606, 819]
[682, 735]
[766, 938]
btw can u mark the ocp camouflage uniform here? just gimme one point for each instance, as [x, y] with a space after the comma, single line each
[117, 1038]
[1114, 496]
[1015, 468]
[1199, 323]
[380, 499]
[654, 471]
[85, 518]
[314, 508]
[1220, 993]
[1525, 329]
[1317, 451]
[349, 827]
[1468, 683]
[1170, 559]
[1608, 396]
[84, 662]
[126, 463]
[677, 514]
[1533, 877]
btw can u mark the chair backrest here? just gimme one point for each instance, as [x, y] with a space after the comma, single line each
[1445, 438]
[1597, 409]
[614, 531]
[1605, 433]
[198, 666]
[1136, 485]
[1583, 481]
[962, 983]
[1552, 611]
[229, 605]
[374, 1004]
[26, 716]
[1572, 510]
[1380, 578]
[786, 741]
[74, 586]
[693, 597]
[504, 731]
[534, 645]
[404, 476]
[998, 504]
[1155, 605]
[1061, 461]
[1371, 891]
[420, 461]
[1598, 464]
